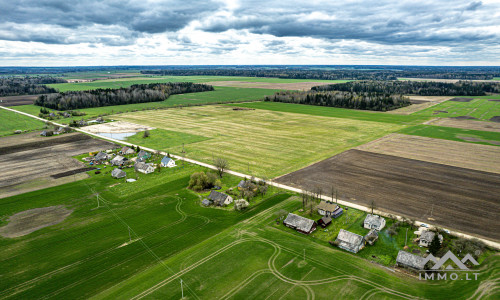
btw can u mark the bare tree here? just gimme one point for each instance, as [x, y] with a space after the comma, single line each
[372, 206]
[222, 165]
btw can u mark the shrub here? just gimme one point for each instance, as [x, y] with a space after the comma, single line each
[201, 181]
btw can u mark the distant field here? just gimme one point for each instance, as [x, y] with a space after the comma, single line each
[454, 134]
[11, 121]
[125, 82]
[479, 108]
[260, 142]
[361, 115]
[467, 124]
[220, 95]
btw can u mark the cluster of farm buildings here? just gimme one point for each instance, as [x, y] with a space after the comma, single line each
[353, 242]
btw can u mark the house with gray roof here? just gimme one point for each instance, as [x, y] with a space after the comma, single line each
[206, 202]
[410, 261]
[301, 224]
[350, 241]
[329, 209]
[118, 160]
[143, 155]
[167, 162]
[374, 222]
[101, 157]
[426, 238]
[127, 150]
[144, 168]
[220, 199]
[371, 236]
[117, 173]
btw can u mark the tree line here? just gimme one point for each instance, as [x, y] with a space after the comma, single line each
[422, 88]
[352, 100]
[138, 93]
[14, 86]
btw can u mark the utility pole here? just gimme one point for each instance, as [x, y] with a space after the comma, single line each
[182, 290]
[98, 201]
[129, 235]
[432, 208]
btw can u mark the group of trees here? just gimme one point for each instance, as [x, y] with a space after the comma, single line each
[427, 88]
[203, 181]
[353, 100]
[138, 93]
[13, 86]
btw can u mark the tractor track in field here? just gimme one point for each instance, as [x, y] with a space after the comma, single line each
[30, 283]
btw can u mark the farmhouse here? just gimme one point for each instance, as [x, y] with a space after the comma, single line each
[325, 221]
[47, 133]
[144, 168]
[374, 222]
[167, 162]
[371, 236]
[329, 209]
[100, 157]
[118, 160]
[410, 261]
[143, 155]
[426, 238]
[350, 241]
[220, 199]
[117, 173]
[301, 224]
[127, 150]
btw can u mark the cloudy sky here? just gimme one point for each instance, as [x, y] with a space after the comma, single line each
[145, 32]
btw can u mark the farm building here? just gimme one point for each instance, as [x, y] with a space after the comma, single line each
[371, 236]
[325, 221]
[117, 173]
[143, 155]
[374, 222]
[329, 209]
[144, 168]
[167, 162]
[82, 123]
[119, 160]
[301, 224]
[350, 241]
[47, 133]
[220, 199]
[426, 238]
[410, 261]
[100, 157]
[127, 150]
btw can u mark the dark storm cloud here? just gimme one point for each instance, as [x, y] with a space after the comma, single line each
[139, 17]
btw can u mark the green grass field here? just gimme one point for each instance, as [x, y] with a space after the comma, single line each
[260, 142]
[454, 134]
[220, 95]
[11, 121]
[479, 108]
[217, 253]
[125, 82]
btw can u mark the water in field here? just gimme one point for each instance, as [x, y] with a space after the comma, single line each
[119, 136]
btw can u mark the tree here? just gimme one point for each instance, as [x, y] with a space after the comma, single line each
[391, 232]
[146, 134]
[222, 165]
[372, 206]
[435, 245]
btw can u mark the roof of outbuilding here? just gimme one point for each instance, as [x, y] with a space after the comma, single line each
[141, 166]
[410, 260]
[118, 173]
[349, 239]
[101, 155]
[374, 220]
[299, 222]
[327, 206]
[217, 196]
[165, 159]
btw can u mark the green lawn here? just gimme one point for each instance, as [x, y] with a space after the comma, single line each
[11, 121]
[335, 112]
[125, 82]
[454, 134]
[220, 95]
[479, 108]
[263, 143]
[159, 138]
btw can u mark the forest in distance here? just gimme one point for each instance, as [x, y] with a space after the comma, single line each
[28, 85]
[137, 93]
[421, 88]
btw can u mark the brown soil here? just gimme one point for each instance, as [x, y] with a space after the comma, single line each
[485, 158]
[28, 221]
[464, 118]
[462, 99]
[26, 166]
[17, 100]
[268, 85]
[472, 139]
[495, 100]
[461, 199]
[71, 172]
[467, 124]
[495, 119]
